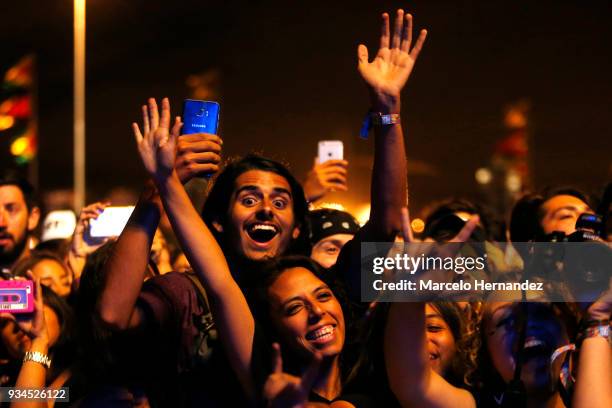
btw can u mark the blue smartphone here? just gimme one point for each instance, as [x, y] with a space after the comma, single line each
[200, 117]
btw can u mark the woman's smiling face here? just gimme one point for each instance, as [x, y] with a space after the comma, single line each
[440, 341]
[306, 313]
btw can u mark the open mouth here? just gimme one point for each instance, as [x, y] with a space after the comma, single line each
[323, 334]
[262, 233]
[536, 347]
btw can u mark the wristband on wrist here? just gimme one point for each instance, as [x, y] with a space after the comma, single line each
[598, 331]
[377, 119]
[37, 357]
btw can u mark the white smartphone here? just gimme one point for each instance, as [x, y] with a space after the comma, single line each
[110, 222]
[330, 150]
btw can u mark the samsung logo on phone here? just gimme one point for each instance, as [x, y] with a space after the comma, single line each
[197, 125]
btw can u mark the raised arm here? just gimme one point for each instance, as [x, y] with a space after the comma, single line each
[81, 244]
[126, 267]
[411, 378]
[32, 373]
[228, 304]
[385, 77]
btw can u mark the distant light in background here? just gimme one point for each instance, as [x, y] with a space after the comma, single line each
[483, 175]
[513, 182]
[418, 225]
[363, 215]
[20, 146]
[6, 106]
[6, 122]
[332, 206]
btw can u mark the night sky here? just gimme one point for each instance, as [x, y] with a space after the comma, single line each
[288, 78]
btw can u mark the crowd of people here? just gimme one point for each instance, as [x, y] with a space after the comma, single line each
[254, 299]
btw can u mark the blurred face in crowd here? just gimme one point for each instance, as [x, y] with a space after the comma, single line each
[17, 342]
[261, 221]
[326, 251]
[15, 223]
[440, 341]
[545, 332]
[306, 314]
[561, 212]
[160, 253]
[54, 275]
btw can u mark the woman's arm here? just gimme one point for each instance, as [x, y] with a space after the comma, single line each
[33, 374]
[411, 377]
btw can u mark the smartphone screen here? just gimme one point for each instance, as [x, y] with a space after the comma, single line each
[200, 117]
[110, 222]
[330, 150]
[16, 296]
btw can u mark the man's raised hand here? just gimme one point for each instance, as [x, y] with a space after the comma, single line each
[157, 146]
[387, 74]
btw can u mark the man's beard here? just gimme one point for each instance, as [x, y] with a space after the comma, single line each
[9, 256]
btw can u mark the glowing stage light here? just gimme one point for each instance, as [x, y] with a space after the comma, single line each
[20, 146]
[6, 122]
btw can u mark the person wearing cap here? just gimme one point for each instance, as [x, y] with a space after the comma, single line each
[330, 230]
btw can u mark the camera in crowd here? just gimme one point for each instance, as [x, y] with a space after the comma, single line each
[580, 263]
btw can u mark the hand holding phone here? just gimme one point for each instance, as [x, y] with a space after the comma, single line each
[199, 148]
[200, 117]
[16, 296]
[329, 172]
[110, 222]
[330, 150]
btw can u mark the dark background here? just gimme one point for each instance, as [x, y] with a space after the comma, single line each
[288, 79]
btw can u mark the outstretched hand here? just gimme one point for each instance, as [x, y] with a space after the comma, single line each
[157, 146]
[286, 390]
[387, 74]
